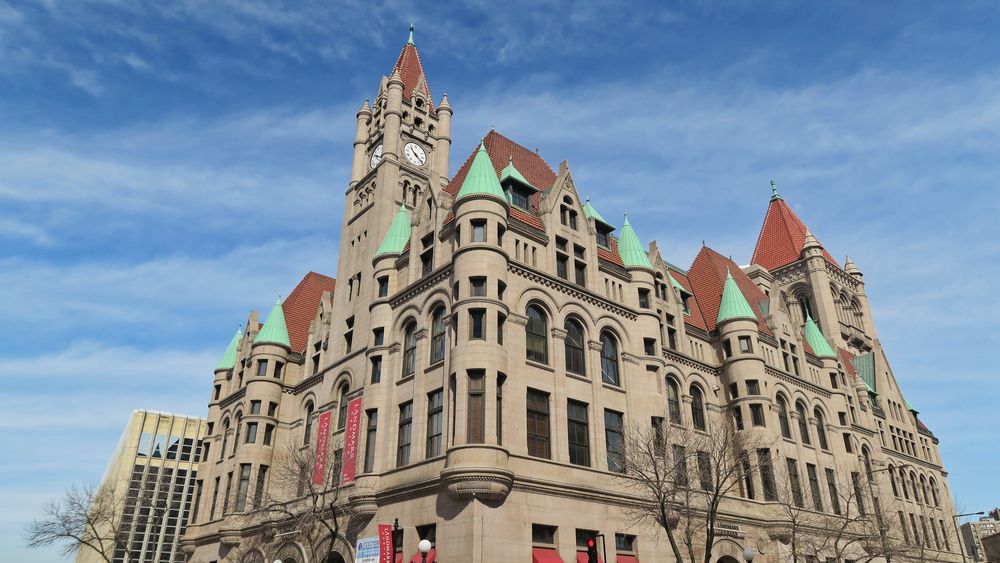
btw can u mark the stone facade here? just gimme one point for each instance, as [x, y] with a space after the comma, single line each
[499, 316]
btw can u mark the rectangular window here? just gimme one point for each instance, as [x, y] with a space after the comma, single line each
[477, 407]
[500, 233]
[244, 485]
[378, 336]
[614, 436]
[753, 387]
[747, 474]
[215, 499]
[376, 375]
[814, 487]
[383, 286]
[427, 255]
[847, 443]
[649, 346]
[405, 426]
[197, 500]
[624, 543]
[500, 380]
[746, 347]
[757, 414]
[727, 349]
[261, 368]
[545, 535]
[501, 319]
[477, 324]
[519, 199]
[254, 407]
[734, 390]
[251, 433]
[225, 495]
[218, 390]
[833, 380]
[902, 525]
[794, 483]
[579, 433]
[538, 424]
[738, 417]
[272, 408]
[680, 465]
[856, 483]
[705, 471]
[435, 422]
[268, 434]
[644, 298]
[602, 239]
[766, 474]
[478, 286]
[258, 495]
[831, 486]
[562, 265]
[479, 231]
[370, 436]
[580, 273]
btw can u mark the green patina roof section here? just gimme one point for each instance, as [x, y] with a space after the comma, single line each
[398, 234]
[865, 366]
[909, 407]
[675, 283]
[816, 340]
[274, 331]
[630, 249]
[592, 213]
[511, 171]
[734, 304]
[229, 358]
[765, 307]
[481, 178]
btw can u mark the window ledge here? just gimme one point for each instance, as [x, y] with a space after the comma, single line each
[434, 365]
[405, 379]
[610, 387]
[539, 365]
[578, 376]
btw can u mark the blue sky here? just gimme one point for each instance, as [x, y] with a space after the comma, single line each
[167, 166]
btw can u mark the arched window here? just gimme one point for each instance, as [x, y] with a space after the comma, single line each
[913, 486]
[237, 422]
[609, 359]
[892, 480]
[786, 431]
[697, 407]
[923, 489]
[437, 335]
[866, 456]
[673, 401]
[307, 435]
[934, 492]
[410, 349]
[902, 483]
[342, 406]
[800, 410]
[537, 339]
[225, 438]
[820, 429]
[805, 307]
[574, 347]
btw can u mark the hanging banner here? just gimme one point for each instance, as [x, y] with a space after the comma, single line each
[351, 435]
[319, 463]
[367, 550]
[385, 546]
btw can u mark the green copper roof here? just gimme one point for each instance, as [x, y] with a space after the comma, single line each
[592, 213]
[865, 366]
[398, 234]
[816, 341]
[909, 407]
[677, 284]
[274, 331]
[511, 171]
[229, 358]
[481, 178]
[630, 249]
[734, 305]
[765, 307]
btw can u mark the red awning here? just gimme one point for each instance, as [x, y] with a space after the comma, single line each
[627, 558]
[545, 555]
[581, 557]
[430, 557]
[399, 558]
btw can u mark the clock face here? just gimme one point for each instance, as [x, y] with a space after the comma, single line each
[376, 156]
[415, 154]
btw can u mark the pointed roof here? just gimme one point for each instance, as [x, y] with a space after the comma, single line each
[865, 366]
[274, 331]
[707, 277]
[300, 307]
[592, 213]
[782, 236]
[511, 171]
[398, 234]
[821, 348]
[630, 249]
[481, 178]
[411, 72]
[229, 357]
[733, 304]
[675, 283]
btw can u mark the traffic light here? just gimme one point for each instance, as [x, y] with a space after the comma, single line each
[592, 550]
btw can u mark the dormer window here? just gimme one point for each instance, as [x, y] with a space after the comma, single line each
[602, 239]
[519, 198]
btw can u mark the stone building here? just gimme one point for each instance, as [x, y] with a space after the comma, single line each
[501, 334]
[975, 532]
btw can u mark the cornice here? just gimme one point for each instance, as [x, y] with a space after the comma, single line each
[572, 291]
[797, 381]
[233, 397]
[420, 286]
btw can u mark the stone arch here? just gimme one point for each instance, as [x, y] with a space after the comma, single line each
[437, 296]
[346, 375]
[253, 556]
[539, 297]
[581, 314]
[290, 552]
[608, 322]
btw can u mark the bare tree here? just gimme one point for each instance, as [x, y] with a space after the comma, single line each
[796, 521]
[294, 504]
[85, 518]
[681, 476]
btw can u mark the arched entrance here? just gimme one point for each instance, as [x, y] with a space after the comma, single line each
[334, 558]
[727, 559]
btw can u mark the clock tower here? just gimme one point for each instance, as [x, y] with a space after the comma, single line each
[401, 158]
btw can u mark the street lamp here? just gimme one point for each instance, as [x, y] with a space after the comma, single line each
[958, 534]
[748, 555]
[424, 547]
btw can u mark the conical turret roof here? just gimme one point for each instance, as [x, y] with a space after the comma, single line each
[733, 305]
[481, 178]
[229, 357]
[630, 249]
[274, 331]
[816, 340]
[589, 211]
[398, 234]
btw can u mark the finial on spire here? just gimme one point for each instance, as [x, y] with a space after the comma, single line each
[410, 40]
[774, 191]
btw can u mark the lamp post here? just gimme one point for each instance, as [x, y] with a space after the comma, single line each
[958, 534]
[748, 555]
[424, 547]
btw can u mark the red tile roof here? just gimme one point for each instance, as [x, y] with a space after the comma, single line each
[781, 237]
[695, 317]
[300, 307]
[845, 359]
[611, 255]
[708, 275]
[411, 71]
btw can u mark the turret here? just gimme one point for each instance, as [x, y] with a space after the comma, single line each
[359, 163]
[393, 113]
[737, 327]
[442, 143]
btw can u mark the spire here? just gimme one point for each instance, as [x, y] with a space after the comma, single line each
[782, 237]
[511, 171]
[365, 107]
[816, 340]
[592, 213]
[444, 102]
[410, 40]
[481, 178]
[275, 331]
[774, 191]
[734, 305]
[410, 71]
[229, 357]
[630, 249]
[398, 234]
[851, 268]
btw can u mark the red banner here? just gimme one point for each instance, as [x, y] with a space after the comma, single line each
[319, 464]
[385, 547]
[350, 457]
